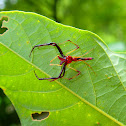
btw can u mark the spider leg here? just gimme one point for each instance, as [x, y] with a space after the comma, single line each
[88, 65]
[61, 73]
[52, 43]
[73, 49]
[54, 78]
[85, 53]
[74, 70]
[55, 64]
[54, 58]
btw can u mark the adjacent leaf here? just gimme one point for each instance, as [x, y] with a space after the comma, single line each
[89, 99]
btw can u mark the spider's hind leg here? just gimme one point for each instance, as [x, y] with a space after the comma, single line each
[74, 70]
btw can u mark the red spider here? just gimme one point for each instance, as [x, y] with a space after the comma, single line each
[64, 60]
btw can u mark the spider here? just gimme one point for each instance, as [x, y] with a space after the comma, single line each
[64, 60]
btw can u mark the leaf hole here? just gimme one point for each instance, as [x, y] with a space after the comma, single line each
[40, 116]
[3, 29]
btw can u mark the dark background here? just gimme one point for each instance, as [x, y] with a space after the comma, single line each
[106, 18]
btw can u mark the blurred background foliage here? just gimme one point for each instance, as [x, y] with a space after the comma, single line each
[106, 18]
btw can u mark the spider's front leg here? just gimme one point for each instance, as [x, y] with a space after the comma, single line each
[62, 73]
[52, 43]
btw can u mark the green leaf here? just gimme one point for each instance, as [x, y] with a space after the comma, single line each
[89, 99]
